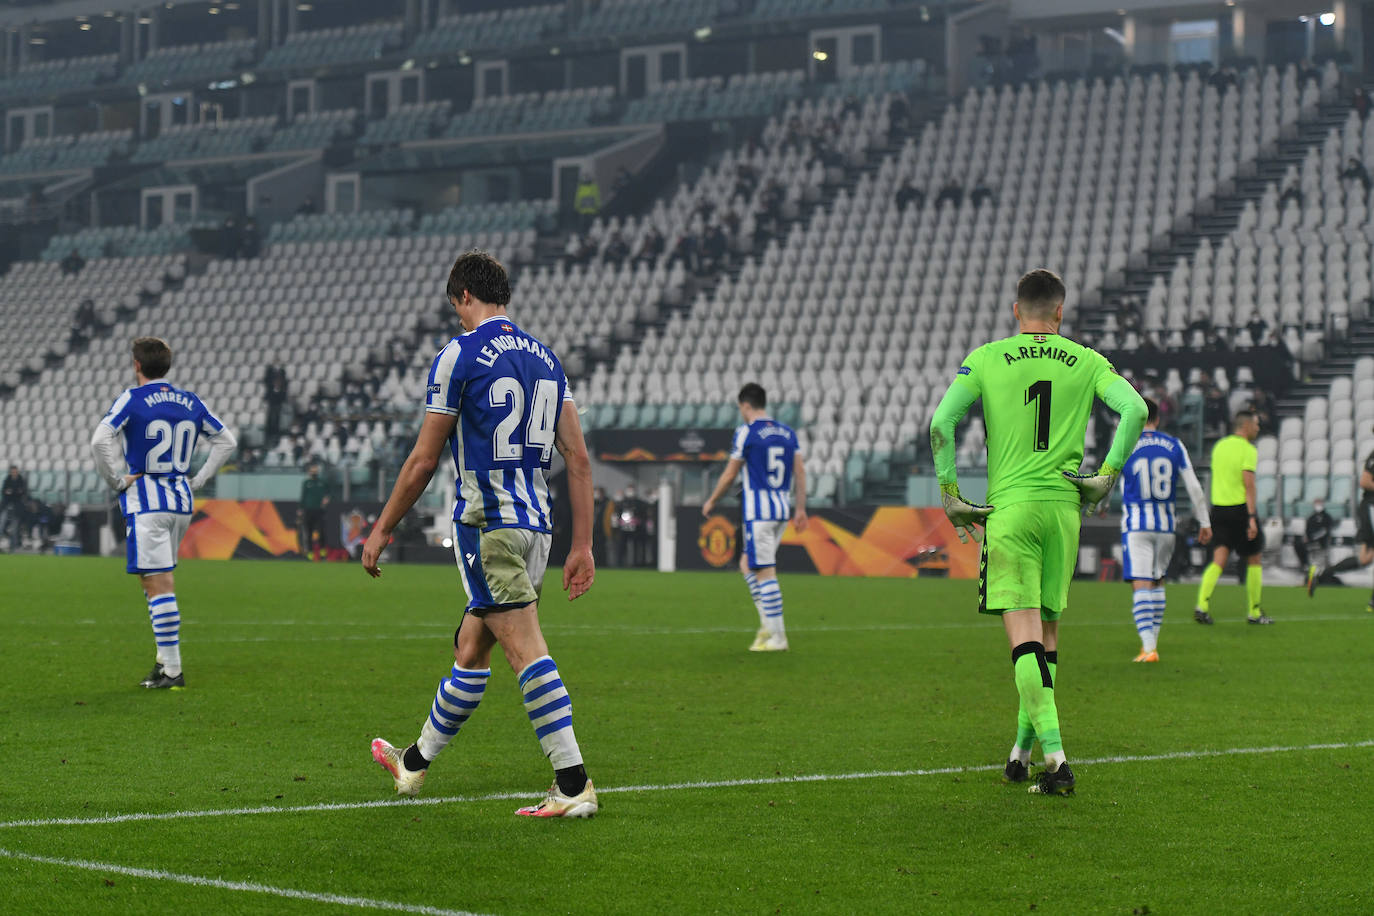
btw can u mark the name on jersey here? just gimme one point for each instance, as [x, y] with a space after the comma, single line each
[1064, 356]
[168, 397]
[771, 431]
[504, 343]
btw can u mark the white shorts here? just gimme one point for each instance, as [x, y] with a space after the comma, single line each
[502, 568]
[761, 541]
[154, 539]
[1146, 554]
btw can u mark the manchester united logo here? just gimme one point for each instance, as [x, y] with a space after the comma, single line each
[717, 541]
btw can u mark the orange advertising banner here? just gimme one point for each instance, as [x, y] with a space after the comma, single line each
[227, 528]
[892, 541]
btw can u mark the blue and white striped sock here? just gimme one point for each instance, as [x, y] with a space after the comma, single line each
[1143, 610]
[752, 581]
[455, 700]
[550, 711]
[1159, 602]
[166, 620]
[770, 604]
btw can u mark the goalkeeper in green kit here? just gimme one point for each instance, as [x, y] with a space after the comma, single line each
[1037, 390]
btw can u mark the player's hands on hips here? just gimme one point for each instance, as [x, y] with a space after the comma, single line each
[963, 515]
[1204, 535]
[578, 572]
[372, 551]
[707, 508]
[800, 520]
[1095, 488]
[128, 482]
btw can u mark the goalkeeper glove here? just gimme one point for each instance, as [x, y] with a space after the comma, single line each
[1094, 488]
[962, 514]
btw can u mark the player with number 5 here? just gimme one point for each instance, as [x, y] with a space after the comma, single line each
[767, 453]
[1037, 389]
[143, 450]
[499, 401]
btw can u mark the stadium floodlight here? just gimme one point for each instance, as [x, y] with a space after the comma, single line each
[702, 33]
[820, 55]
[1327, 18]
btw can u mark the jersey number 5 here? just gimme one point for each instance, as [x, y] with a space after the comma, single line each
[539, 432]
[777, 470]
[1039, 394]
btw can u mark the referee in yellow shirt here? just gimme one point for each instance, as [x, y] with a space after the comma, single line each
[1235, 523]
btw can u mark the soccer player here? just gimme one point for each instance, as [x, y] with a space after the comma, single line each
[768, 453]
[1364, 532]
[1234, 517]
[310, 515]
[143, 449]
[1149, 484]
[1037, 390]
[498, 399]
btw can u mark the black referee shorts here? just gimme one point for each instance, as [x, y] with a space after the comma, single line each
[1230, 529]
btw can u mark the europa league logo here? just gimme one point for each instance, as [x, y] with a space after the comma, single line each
[717, 541]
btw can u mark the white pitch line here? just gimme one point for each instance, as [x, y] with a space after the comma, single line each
[250, 886]
[661, 787]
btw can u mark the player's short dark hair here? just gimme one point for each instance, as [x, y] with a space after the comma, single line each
[1241, 416]
[753, 395]
[1040, 290]
[1151, 410]
[153, 355]
[480, 274]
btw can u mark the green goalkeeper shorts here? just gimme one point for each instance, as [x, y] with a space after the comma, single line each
[1029, 553]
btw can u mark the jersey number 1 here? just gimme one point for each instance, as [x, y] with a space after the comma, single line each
[1039, 393]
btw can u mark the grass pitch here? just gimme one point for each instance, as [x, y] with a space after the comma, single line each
[1236, 776]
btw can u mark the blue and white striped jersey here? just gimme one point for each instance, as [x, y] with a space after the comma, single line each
[768, 449]
[160, 425]
[507, 390]
[1149, 484]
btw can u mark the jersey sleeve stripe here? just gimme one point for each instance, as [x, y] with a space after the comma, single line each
[440, 395]
[118, 414]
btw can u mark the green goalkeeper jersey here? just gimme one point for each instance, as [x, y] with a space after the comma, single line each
[1037, 392]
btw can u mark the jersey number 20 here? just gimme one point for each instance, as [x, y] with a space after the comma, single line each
[539, 432]
[172, 450]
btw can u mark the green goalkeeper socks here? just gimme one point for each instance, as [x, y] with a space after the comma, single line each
[1025, 731]
[1210, 575]
[1035, 684]
[1254, 583]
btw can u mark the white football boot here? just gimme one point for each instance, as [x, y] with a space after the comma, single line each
[408, 782]
[556, 804]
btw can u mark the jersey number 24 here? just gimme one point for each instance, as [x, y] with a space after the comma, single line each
[539, 432]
